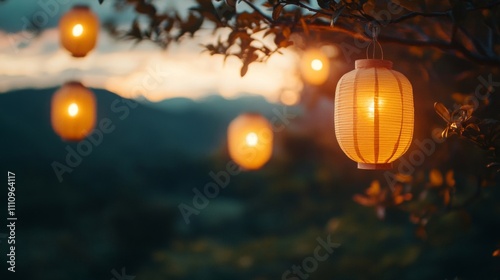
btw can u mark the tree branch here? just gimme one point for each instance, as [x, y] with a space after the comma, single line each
[447, 13]
[452, 47]
[420, 14]
[446, 46]
[461, 43]
[266, 17]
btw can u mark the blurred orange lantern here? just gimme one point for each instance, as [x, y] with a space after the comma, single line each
[314, 67]
[78, 30]
[250, 140]
[374, 114]
[73, 112]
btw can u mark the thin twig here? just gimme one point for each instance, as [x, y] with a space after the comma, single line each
[447, 13]
[266, 17]
[420, 14]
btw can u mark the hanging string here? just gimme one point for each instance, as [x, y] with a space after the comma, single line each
[374, 30]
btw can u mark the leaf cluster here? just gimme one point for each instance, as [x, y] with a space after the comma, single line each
[468, 29]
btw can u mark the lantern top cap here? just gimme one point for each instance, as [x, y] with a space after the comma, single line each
[252, 114]
[373, 63]
[81, 7]
[73, 83]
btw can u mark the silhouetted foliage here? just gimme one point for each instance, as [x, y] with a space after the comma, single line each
[468, 29]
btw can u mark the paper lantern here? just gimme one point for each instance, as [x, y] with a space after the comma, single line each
[73, 111]
[250, 141]
[374, 114]
[78, 29]
[314, 67]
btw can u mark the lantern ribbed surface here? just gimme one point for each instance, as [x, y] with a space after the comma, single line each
[374, 114]
[73, 111]
[78, 30]
[250, 140]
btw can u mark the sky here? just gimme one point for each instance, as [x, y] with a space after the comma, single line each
[130, 70]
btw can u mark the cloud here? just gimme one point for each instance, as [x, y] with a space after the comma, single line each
[144, 69]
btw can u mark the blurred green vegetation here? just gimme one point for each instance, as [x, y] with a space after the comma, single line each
[119, 207]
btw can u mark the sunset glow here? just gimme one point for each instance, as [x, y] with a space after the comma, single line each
[144, 70]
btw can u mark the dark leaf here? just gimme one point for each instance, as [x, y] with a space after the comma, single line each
[446, 197]
[250, 57]
[269, 32]
[305, 27]
[336, 15]
[450, 178]
[435, 178]
[374, 189]
[135, 31]
[493, 164]
[238, 34]
[244, 69]
[279, 38]
[287, 32]
[190, 26]
[145, 8]
[473, 126]
[268, 4]
[325, 4]
[445, 133]
[277, 11]
[442, 111]
[364, 200]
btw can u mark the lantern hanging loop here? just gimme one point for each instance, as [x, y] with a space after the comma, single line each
[374, 28]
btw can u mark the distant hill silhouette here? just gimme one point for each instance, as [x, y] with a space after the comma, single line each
[169, 131]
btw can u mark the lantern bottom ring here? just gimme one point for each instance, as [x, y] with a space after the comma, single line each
[374, 166]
